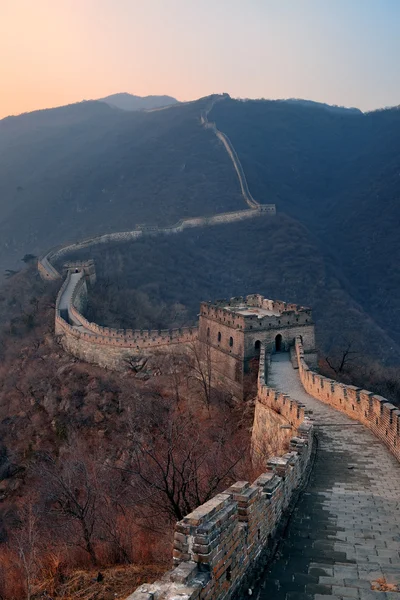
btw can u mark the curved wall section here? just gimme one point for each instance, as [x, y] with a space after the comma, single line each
[232, 154]
[105, 346]
[48, 271]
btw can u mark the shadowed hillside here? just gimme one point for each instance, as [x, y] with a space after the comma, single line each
[86, 169]
[159, 282]
[337, 172]
[72, 172]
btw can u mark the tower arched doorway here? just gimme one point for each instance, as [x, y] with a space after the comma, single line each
[257, 348]
[278, 343]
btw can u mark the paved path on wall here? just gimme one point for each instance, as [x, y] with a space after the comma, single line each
[344, 533]
[66, 297]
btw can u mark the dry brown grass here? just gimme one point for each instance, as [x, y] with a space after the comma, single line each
[117, 582]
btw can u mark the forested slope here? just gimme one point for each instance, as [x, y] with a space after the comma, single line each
[81, 170]
[338, 173]
[159, 282]
[69, 173]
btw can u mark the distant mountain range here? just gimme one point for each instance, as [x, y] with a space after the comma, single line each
[330, 107]
[126, 101]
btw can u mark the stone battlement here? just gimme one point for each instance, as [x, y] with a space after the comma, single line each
[373, 411]
[220, 545]
[105, 346]
[244, 313]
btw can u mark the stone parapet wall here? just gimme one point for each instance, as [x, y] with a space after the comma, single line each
[221, 546]
[259, 301]
[373, 411]
[61, 291]
[48, 271]
[293, 411]
[112, 353]
[79, 301]
[105, 346]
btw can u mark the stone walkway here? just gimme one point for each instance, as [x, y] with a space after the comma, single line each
[65, 299]
[343, 538]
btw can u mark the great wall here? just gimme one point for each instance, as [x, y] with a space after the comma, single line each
[230, 150]
[112, 347]
[221, 549]
[323, 519]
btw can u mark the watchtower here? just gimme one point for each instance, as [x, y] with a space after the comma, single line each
[87, 266]
[235, 329]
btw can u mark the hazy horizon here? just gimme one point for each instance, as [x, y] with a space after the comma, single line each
[60, 53]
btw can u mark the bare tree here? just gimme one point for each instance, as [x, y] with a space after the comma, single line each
[342, 359]
[27, 544]
[178, 371]
[72, 498]
[201, 364]
[173, 468]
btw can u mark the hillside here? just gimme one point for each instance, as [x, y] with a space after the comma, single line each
[338, 174]
[71, 431]
[85, 169]
[159, 282]
[78, 490]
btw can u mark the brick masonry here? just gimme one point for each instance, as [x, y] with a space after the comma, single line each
[373, 411]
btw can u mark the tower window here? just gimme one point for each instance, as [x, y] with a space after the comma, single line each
[219, 336]
[231, 341]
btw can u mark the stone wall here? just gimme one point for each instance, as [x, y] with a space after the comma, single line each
[373, 411]
[277, 417]
[104, 346]
[221, 546]
[226, 351]
[223, 138]
[48, 271]
[110, 353]
[233, 338]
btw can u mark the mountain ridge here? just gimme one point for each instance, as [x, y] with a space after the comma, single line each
[92, 169]
[126, 101]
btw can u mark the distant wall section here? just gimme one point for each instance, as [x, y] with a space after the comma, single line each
[48, 271]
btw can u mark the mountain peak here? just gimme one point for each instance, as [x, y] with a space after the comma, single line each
[126, 101]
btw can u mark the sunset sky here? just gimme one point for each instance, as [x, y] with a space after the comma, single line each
[55, 52]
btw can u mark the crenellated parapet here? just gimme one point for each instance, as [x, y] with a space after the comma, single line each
[105, 346]
[372, 410]
[294, 412]
[254, 310]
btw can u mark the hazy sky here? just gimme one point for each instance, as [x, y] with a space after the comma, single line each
[54, 52]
